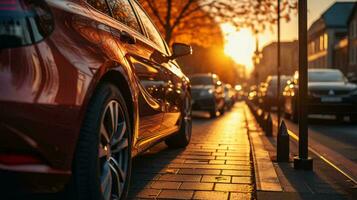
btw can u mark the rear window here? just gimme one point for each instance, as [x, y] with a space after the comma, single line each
[201, 80]
[326, 76]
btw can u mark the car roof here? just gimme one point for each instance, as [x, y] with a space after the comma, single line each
[324, 70]
[202, 75]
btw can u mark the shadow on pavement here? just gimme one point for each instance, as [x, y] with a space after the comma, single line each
[150, 165]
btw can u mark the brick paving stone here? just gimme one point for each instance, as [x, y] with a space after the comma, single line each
[240, 196]
[214, 195]
[197, 161]
[216, 179]
[175, 194]
[180, 177]
[217, 162]
[205, 166]
[236, 173]
[237, 162]
[200, 171]
[215, 165]
[246, 180]
[230, 187]
[196, 186]
[148, 193]
[165, 185]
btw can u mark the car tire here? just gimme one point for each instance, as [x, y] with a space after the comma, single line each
[182, 138]
[102, 162]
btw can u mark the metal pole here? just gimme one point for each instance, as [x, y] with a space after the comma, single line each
[303, 161]
[278, 68]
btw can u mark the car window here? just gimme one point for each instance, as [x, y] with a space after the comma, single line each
[123, 12]
[100, 5]
[326, 76]
[153, 33]
[201, 80]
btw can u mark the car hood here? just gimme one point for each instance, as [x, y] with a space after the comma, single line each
[331, 86]
[202, 87]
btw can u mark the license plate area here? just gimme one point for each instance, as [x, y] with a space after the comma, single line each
[331, 99]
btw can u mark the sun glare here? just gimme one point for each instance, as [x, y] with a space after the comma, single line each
[239, 45]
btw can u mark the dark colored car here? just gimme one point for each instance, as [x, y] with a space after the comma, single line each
[207, 93]
[269, 96]
[229, 96]
[84, 87]
[329, 93]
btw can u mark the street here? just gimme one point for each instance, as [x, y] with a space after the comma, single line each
[215, 165]
[334, 140]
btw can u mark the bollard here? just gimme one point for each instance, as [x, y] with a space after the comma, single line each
[265, 121]
[283, 147]
[269, 126]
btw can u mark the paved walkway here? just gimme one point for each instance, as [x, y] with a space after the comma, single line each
[216, 164]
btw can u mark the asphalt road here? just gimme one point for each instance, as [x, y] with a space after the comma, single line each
[336, 141]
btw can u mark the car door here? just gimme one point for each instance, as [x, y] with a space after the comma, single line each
[174, 94]
[127, 37]
[139, 52]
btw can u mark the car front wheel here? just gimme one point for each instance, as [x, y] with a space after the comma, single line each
[102, 165]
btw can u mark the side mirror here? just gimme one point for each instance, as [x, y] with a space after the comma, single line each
[25, 23]
[180, 50]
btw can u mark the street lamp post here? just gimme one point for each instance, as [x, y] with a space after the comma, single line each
[303, 161]
[278, 68]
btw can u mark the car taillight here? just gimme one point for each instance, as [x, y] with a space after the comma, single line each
[24, 22]
[19, 159]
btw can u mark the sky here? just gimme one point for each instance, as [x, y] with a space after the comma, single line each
[240, 45]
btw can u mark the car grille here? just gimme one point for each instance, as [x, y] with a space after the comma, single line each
[195, 94]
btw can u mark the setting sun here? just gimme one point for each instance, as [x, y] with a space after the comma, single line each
[239, 45]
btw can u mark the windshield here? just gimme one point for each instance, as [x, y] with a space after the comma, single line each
[201, 80]
[326, 76]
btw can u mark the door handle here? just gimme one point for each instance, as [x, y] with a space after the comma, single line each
[127, 37]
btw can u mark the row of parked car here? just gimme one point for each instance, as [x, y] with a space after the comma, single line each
[210, 94]
[329, 93]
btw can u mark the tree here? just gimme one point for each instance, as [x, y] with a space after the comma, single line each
[195, 21]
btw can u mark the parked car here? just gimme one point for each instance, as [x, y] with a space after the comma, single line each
[84, 87]
[329, 93]
[229, 96]
[269, 96]
[207, 93]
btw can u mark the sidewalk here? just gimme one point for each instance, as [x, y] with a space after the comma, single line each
[324, 182]
[216, 165]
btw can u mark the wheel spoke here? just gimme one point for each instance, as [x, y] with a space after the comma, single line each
[106, 181]
[122, 144]
[113, 109]
[104, 132]
[119, 133]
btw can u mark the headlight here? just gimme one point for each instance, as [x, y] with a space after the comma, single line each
[206, 92]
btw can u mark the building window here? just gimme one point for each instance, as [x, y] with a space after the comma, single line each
[321, 43]
[325, 41]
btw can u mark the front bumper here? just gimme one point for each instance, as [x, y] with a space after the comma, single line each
[206, 104]
[338, 106]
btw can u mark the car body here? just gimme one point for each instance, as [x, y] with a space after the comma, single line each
[207, 93]
[269, 94]
[329, 93]
[46, 88]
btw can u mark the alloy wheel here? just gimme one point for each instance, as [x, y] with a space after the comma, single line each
[113, 151]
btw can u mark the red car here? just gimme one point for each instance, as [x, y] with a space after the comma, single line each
[85, 85]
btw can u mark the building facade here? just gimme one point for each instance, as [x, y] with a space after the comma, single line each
[352, 43]
[326, 37]
[268, 62]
